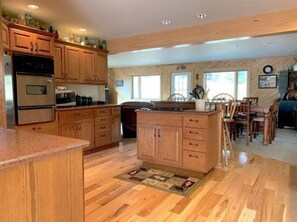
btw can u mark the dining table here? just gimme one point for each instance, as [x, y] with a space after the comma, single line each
[264, 109]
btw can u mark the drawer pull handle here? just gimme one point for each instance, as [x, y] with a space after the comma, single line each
[102, 127]
[193, 144]
[194, 120]
[102, 135]
[193, 132]
[195, 156]
[33, 128]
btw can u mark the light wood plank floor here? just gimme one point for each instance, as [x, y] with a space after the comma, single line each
[251, 188]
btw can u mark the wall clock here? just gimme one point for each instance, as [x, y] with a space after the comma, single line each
[267, 69]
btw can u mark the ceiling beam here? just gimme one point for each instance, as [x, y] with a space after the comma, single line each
[260, 25]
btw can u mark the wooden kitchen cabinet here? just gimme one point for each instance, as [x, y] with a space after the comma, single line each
[101, 69]
[5, 35]
[72, 64]
[87, 66]
[102, 126]
[59, 57]
[47, 128]
[159, 141]
[187, 141]
[115, 124]
[77, 124]
[29, 42]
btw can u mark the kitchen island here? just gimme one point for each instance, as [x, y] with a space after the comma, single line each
[185, 139]
[41, 177]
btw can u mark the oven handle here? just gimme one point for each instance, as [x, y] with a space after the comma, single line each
[34, 74]
[36, 107]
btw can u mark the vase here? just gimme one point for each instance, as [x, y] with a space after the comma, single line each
[200, 104]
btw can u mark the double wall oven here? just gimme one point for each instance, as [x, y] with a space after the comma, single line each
[34, 89]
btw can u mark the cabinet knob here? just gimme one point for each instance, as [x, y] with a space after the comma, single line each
[195, 156]
[193, 132]
[193, 144]
[194, 120]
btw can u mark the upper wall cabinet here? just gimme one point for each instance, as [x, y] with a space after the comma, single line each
[101, 69]
[88, 66]
[28, 42]
[79, 64]
[5, 35]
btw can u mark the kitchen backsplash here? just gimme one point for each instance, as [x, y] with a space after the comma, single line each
[95, 91]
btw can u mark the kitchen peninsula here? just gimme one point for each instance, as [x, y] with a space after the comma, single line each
[187, 139]
[41, 177]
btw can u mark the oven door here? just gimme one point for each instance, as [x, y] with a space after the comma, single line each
[35, 90]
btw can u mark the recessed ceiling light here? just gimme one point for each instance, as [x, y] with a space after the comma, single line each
[201, 15]
[166, 22]
[33, 7]
[82, 30]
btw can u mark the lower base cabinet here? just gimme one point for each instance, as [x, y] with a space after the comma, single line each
[188, 141]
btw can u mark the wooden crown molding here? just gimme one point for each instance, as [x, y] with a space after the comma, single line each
[260, 25]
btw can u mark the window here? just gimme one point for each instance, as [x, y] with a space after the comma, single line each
[181, 83]
[231, 82]
[146, 87]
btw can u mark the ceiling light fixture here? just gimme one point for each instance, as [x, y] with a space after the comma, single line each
[201, 15]
[33, 7]
[181, 46]
[227, 40]
[82, 30]
[166, 22]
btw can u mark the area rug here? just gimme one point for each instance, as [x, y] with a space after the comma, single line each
[162, 180]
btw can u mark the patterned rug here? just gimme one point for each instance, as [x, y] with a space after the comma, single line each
[163, 180]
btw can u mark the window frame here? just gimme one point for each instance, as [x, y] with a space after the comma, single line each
[189, 83]
[235, 78]
[139, 87]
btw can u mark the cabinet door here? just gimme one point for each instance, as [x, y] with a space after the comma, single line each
[87, 66]
[5, 36]
[115, 129]
[147, 142]
[169, 145]
[59, 62]
[86, 131]
[72, 63]
[101, 69]
[68, 129]
[44, 45]
[21, 41]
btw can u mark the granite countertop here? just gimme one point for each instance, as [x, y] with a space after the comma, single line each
[18, 146]
[86, 107]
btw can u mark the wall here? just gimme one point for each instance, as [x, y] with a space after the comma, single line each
[254, 67]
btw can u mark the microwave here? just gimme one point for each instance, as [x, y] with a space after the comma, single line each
[65, 98]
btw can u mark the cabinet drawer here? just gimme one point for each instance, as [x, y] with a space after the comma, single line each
[103, 112]
[102, 128]
[102, 120]
[195, 134]
[159, 118]
[116, 111]
[75, 115]
[194, 160]
[194, 145]
[102, 139]
[195, 121]
[47, 128]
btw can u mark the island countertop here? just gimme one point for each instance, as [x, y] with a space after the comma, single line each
[17, 146]
[186, 111]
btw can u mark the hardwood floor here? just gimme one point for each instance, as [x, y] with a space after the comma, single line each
[251, 188]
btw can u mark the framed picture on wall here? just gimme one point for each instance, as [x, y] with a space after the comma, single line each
[267, 81]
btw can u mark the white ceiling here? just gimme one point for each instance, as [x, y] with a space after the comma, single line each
[110, 19]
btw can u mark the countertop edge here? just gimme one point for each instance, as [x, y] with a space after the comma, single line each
[86, 107]
[185, 112]
[42, 154]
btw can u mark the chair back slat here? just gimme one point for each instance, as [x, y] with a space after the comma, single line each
[176, 97]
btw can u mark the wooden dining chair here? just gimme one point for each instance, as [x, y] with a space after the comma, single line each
[273, 119]
[243, 118]
[176, 97]
[228, 104]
